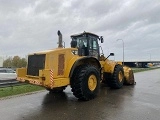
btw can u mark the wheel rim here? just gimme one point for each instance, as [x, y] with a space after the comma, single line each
[120, 76]
[92, 82]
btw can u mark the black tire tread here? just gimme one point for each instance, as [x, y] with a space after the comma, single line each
[77, 84]
[114, 82]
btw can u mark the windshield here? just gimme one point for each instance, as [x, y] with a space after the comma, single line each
[81, 41]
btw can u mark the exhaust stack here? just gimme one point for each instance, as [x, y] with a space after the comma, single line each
[59, 39]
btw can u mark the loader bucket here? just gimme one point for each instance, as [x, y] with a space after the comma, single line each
[128, 76]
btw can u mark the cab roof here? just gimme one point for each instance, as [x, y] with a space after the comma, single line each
[84, 33]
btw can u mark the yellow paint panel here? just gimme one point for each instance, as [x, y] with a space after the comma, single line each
[21, 72]
[59, 61]
[108, 66]
[61, 82]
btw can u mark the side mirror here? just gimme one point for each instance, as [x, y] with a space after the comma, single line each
[101, 38]
[111, 54]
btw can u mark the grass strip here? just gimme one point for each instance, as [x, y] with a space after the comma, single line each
[135, 70]
[15, 90]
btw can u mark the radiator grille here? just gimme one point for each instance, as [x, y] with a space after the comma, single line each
[35, 63]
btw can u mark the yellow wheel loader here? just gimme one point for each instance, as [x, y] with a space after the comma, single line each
[81, 66]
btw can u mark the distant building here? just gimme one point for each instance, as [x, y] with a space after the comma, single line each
[1, 61]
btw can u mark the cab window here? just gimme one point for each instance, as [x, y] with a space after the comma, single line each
[81, 42]
[95, 47]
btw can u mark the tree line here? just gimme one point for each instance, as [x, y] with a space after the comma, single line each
[15, 62]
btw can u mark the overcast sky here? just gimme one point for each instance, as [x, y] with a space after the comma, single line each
[28, 26]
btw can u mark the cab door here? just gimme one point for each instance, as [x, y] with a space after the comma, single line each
[93, 47]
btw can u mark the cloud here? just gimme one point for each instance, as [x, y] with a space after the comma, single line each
[28, 26]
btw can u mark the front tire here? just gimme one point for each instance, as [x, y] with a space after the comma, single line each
[117, 78]
[85, 82]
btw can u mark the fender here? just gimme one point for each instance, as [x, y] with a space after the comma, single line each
[84, 60]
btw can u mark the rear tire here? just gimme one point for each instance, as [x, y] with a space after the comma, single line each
[117, 78]
[85, 82]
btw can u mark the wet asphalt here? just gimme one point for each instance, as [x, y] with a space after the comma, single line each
[139, 102]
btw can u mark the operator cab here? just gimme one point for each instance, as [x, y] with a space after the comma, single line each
[87, 44]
